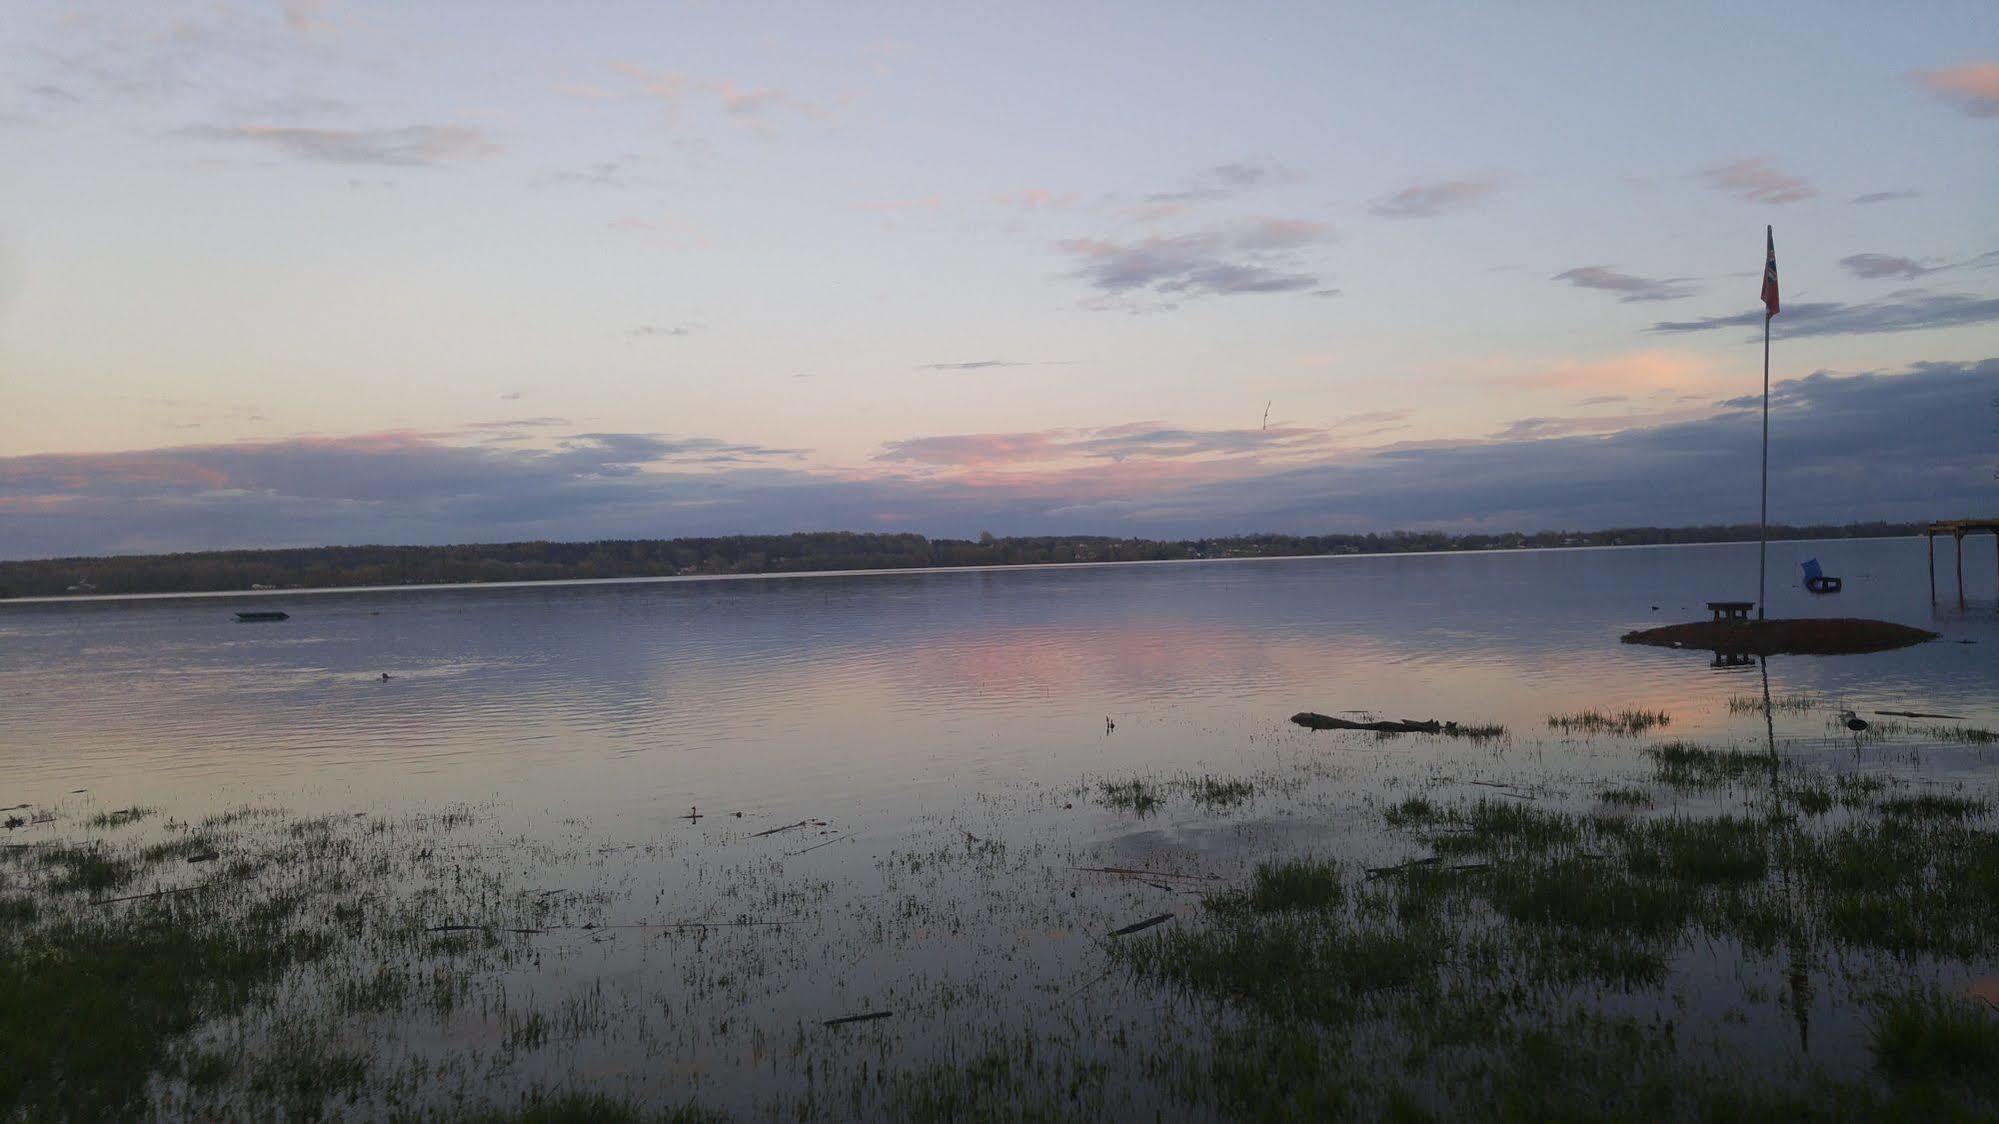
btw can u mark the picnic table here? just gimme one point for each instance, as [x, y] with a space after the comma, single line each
[1730, 610]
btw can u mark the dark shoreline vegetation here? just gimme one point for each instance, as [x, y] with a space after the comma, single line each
[1518, 951]
[330, 566]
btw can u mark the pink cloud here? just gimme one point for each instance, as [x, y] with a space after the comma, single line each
[892, 206]
[1426, 200]
[975, 449]
[1755, 180]
[753, 107]
[1645, 372]
[1035, 198]
[1972, 87]
[1136, 442]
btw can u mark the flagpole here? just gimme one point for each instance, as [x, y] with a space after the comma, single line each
[1763, 517]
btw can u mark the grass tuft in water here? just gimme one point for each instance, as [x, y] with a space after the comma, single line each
[1933, 805]
[1130, 796]
[1218, 793]
[1626, 722]
[119, 817]
[1926, 1036]
[1970, 735]
[1701, 851]
[1792, 704]
[1295, 884]
[1684, 765]
[1590, 894]
[88, 869]
[1411, 811]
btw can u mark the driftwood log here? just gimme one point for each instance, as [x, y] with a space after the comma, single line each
[1312, 720]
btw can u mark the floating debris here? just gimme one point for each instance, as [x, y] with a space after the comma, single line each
[1133, 872]
[816, 846]
[1312, 720]
[868, 1017]
[1140, 926]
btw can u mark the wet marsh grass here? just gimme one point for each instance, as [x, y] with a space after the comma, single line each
[119, 817]
[1797, 702]
[102, 997]
[1215, 792]
[1294, 884]
[1629, 722]
[1143, 796]
[1453, 959]
[1480, 973]
[1962, 735]
[1684, 765]
[88, 869]
[1934, 805]
[1926, 1036]
[1137, 797]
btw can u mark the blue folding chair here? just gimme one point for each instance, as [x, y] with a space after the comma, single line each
[1816, 579]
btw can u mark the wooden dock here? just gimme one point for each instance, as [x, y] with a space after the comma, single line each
[1956, 529]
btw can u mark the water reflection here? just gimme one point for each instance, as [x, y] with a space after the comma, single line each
[775, 693]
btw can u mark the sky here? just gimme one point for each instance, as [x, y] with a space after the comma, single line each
[302, 273]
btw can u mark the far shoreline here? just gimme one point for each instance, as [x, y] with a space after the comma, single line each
[770, 575]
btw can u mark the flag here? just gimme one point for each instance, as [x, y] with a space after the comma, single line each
[1770, 276]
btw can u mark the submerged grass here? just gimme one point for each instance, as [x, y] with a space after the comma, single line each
[119, 817]
[1796, 703]
[1934, 805]
[1143, 796]
[1629, 722]
[1927, 1036]
[89, 1007]
[1969, 735]
[1684, 765]
[577, 1107]
[88, 869]
[1295, 884]
[115, 956]
[1216, 792]
[1487, 974]
[1448, 964]
[1130, 796]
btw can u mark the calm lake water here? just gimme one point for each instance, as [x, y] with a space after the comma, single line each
[909, 714]
[887, 692]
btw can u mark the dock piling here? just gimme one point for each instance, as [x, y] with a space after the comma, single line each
[1956, 529]
[1930, 538]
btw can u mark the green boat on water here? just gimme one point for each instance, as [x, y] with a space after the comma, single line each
[264, 615]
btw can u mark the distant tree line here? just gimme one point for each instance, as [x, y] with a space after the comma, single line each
[319, 567]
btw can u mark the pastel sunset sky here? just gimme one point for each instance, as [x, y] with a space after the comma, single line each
[319, 272]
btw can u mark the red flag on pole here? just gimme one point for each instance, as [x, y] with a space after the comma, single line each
[1770, 276]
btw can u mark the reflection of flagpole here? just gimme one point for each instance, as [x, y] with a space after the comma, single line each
[1763, 518]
